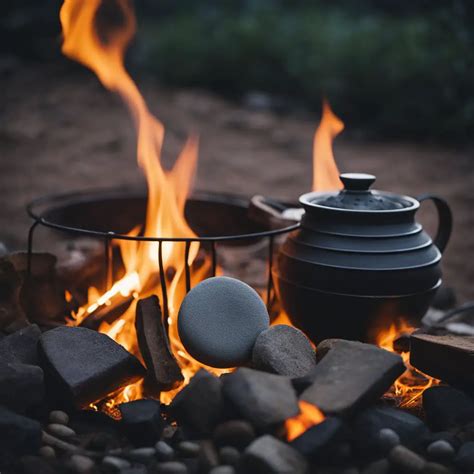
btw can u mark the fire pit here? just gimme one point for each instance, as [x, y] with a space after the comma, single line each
[98, 380]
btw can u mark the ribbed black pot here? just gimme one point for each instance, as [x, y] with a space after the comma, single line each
[359, 256]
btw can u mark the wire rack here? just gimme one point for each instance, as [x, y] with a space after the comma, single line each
[38, 211]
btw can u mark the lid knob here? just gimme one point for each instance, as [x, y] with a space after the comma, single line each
[357, 181]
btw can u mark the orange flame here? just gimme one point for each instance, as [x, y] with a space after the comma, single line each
[325, 172]
[101, 49]
[309, 416]
[409, 387]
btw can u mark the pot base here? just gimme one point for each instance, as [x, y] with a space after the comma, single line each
[323, 315]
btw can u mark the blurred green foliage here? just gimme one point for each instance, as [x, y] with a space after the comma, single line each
[393, 70]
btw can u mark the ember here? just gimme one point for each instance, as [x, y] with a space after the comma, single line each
[409, 387]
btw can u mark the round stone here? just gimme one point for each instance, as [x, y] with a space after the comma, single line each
[219, 321]
[59, 417]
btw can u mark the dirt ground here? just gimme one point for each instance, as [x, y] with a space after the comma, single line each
[61, 131]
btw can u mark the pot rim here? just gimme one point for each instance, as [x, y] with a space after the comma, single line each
[403, 295]
[307, 200]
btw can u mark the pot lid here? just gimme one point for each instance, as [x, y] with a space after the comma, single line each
[357, 196]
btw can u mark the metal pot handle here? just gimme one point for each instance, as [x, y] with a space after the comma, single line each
[445, 218]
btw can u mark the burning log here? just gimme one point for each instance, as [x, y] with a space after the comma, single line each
[163, 371]
[83, 366]
[445, 356]
[351, 375]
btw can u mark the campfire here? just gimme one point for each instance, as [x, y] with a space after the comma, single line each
[148, 357]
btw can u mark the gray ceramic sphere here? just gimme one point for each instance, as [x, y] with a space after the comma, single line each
[220, 319]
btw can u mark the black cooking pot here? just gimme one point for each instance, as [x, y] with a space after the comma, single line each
[359, 255]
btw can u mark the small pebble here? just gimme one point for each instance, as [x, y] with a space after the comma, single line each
[59, 417]
[81, 464]
[388, 439]
[164, 452]
[172, 467]
[222, 470]
[406, 460]
[47, 452]
[229, 455]
[61, 431]
[382, 466]
[435, 468]
[141, 454]
[115, 463]
[440, 450]
[188, 449]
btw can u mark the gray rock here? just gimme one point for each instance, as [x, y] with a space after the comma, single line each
[381, 466]
[352, 375]
[219, 321]
[83, 366]
[188, 449]
[222, 470]
[116, 463]
[261, 398]
[447, 407]
[143, 455]
[21, 346]
[59, 417]
[236, 433]
[164, 452]
[465, 456]
[20, 435]
[81, 464]
[268, 454]
[21, 386]
[447, 357]
[163, 372]
[141, 421]
[283, 350]
[229, 455]
[199, 405]
[172, 467]
[441, 450]
[388, 439]
[208, 458]
[406, 460]
[61, 431]
[47, 452]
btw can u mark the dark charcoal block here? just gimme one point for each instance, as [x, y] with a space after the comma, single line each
[141, 421]
[83, 366]
[19, 435]
[261, 398]
[199, 405]
[319, 438]
[163, 372]
[352, 375]
[447, 407]
[446, 357]
[236, 433]
[21, 346]
[21, 386]
[270, 455]
[283, 350]
[367, 426]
